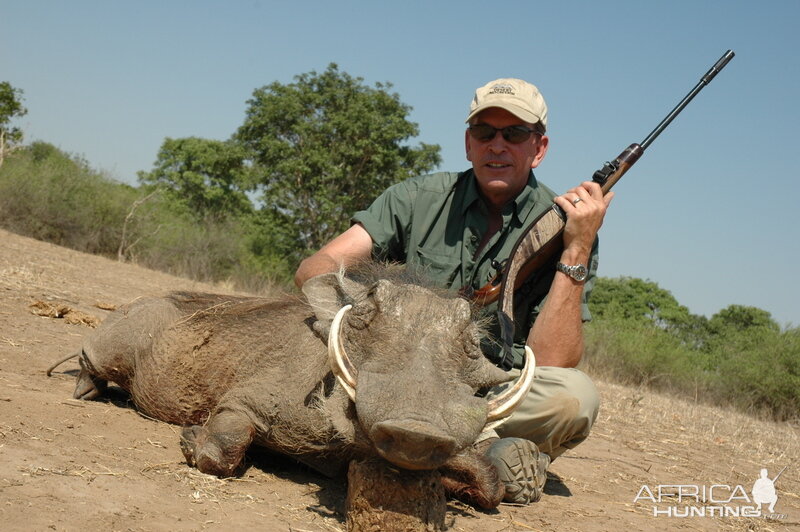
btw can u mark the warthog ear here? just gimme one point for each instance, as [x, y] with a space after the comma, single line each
[329, 292]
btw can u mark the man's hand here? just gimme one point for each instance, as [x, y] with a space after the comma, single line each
[585, 206]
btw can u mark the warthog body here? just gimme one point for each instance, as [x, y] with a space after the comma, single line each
[238, 371]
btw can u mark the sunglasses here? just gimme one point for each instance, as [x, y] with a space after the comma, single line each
[512, 134]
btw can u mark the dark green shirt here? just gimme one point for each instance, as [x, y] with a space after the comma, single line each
[437, 221]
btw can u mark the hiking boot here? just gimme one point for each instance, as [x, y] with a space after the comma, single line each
[521, 467]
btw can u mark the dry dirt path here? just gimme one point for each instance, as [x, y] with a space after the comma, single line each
[99, 466]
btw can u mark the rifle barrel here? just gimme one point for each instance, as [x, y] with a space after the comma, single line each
[705, 80]
[779, 474]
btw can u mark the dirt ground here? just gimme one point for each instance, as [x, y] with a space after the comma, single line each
[92, 466]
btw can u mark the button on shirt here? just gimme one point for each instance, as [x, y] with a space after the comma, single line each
[437, 221]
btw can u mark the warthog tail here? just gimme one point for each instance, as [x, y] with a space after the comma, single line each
[54, 366]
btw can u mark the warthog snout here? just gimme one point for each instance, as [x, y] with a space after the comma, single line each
[412, 444]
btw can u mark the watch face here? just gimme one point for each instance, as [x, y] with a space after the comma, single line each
[579, 272]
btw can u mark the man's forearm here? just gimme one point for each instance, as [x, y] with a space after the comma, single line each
[557, 334]
[350, 247]
[314, 265]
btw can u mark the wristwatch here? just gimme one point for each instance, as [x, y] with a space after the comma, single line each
[577, 272]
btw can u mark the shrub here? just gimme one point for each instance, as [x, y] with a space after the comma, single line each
[739, 357]
[48, 195]
[55, 197]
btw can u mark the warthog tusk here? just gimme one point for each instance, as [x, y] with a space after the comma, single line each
[337, 357]
[503, 405]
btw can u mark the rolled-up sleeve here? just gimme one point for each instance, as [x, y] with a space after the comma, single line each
[388, 221]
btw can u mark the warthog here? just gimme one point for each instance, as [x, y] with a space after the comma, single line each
[366, 365]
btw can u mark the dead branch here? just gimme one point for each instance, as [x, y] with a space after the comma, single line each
[123, 249]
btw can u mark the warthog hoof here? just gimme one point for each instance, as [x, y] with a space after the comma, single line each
[204, 454]
[218, 447]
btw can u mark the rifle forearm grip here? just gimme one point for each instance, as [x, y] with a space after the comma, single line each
[612, 171]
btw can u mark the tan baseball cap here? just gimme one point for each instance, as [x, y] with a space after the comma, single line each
[516, 96]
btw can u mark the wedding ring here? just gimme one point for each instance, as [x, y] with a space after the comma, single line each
[575, 201]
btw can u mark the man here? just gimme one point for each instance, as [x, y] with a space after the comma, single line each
[764, 491]
[458, 226]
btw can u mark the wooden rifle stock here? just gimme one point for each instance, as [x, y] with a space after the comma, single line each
[541, 240]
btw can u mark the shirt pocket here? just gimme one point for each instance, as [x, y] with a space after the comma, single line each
[441, 269]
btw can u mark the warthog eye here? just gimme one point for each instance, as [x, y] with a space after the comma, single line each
[481, 392]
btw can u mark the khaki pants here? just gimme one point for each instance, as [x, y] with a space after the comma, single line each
[557, 414]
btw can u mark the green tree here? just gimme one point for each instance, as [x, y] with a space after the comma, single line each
[742, 317]
[739, 329]
[760, 366]
[645, 302]
[323, 147]
[10, 108]
[632, 298]
[203, 176]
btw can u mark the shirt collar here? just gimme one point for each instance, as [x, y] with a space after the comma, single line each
[520, 206]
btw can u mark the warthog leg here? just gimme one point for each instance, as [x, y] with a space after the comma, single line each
[218, 447]
[471, 478]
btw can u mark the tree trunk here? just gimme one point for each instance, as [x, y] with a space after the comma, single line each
[382, 498]
[2, 146]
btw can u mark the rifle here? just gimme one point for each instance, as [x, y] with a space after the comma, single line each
[541, 240]
[779, 474]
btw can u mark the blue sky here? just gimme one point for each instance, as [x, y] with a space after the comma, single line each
[710, 212]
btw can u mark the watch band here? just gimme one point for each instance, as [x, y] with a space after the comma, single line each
[577, 272]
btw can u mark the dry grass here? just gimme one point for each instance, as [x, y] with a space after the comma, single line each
[678, 441]
[679, 422]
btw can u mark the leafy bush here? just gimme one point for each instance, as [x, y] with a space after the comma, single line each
[52, 196]
[49, 195]
[740, 357]
[640, 355]
[760, 370]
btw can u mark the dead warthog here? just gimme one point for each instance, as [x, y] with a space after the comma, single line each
[366, 365]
